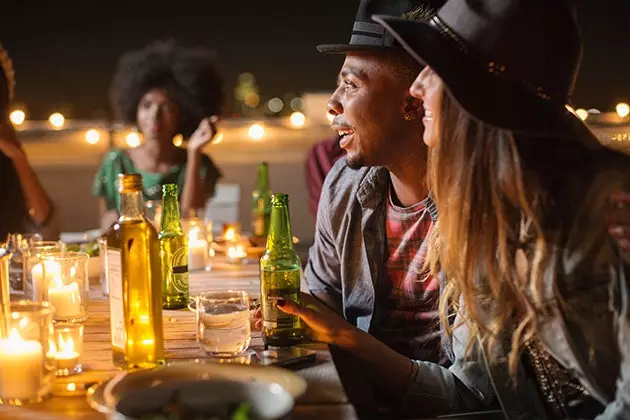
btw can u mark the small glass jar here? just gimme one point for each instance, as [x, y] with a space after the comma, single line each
[26, 359]
[198, 246]
[33, 289]
[68, 348]
[18, 244]
[66, 284]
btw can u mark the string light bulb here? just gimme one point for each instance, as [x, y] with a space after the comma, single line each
[57, 120]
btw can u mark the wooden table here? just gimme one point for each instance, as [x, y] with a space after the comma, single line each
[324, 398]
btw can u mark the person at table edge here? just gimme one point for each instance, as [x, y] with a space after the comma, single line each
[26, 208]
[168, 91]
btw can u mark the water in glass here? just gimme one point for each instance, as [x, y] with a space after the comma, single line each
[223, 326]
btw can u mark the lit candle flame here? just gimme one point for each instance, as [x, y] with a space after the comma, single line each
[66, 348]
[230, 234]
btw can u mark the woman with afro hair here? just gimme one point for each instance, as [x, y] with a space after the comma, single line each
[26, 208]
[166, 90]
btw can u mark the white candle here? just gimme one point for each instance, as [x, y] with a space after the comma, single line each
[43, 273]
[66, 299]
[21, 367]
[66, 356]
[197, 250]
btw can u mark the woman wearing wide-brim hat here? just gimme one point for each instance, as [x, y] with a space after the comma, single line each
[538, 287]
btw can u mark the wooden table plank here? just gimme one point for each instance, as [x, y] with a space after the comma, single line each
[324, 398]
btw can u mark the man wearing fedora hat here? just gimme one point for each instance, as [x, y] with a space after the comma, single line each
[593, 346]
[374, 212]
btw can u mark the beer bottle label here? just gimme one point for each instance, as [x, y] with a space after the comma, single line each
[273, 317]
[179, 270]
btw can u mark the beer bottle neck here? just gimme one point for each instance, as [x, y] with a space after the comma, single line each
[262, 183]
[279, 236]
[170, 213]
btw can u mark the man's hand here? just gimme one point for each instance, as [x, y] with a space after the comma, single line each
[618, 218]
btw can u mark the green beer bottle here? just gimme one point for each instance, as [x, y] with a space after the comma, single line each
[280, 270]
[261, 203]
[173, 252]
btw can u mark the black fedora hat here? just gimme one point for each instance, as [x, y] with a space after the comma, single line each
[370, 36]
[509, 63]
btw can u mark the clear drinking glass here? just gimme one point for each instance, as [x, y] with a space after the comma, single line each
[65, 282]
[33, 290]
[26, 360]
[223, 327]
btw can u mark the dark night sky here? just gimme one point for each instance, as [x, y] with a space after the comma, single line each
[65, 52]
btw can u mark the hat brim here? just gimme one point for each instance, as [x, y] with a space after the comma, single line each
[484, 95]
[348, 48]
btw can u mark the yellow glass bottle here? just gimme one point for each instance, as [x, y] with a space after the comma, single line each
[135, 282]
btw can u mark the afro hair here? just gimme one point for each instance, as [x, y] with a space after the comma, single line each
[188, 75]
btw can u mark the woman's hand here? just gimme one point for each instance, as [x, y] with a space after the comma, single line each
[618, 218]
[204, 133]
[323, 325]
[9, 143]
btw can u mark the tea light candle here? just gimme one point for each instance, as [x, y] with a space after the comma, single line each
[66, 299]
[43, 273]
[66, 356]
[197, 250]
[236, 253]
[22, 364]
[231, 232]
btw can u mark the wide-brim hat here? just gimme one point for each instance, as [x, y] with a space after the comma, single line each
[511, 64]
[369, 36]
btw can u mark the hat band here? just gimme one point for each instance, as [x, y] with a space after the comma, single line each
[370, 34]
[495, 67]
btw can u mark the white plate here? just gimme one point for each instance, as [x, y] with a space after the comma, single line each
[104, 397]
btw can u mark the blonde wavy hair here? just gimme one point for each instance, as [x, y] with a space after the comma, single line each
[498, 222]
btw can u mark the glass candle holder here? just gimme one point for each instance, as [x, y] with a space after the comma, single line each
[33, 286]
[235, 252]
[18, 244]
[66, 284]
[26, 359]
[198, 247]
[68, 348]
